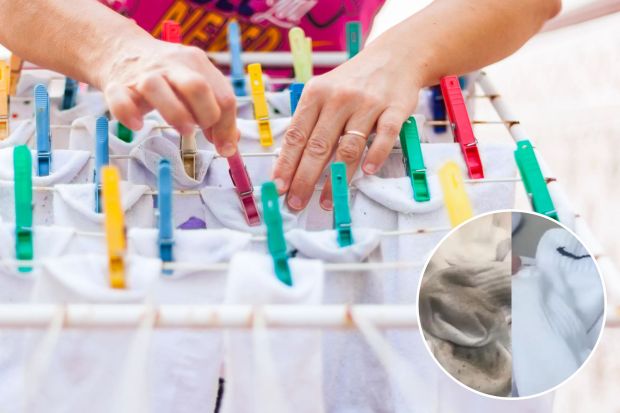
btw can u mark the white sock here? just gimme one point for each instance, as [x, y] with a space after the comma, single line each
[21, 133]
[185, 364]
[83, 373]
[279, 104]
[280, 358]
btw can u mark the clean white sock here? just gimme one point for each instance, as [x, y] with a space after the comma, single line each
[67, 167]
[83, 372]
[185, 364]
[22, 133]
[279, 104]
[288, 362]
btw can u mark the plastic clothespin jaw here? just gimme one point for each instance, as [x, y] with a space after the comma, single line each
[461, 125]
[296, 91]
[245, 191]
[189, 152]
[455, 196]
[354, 38]
[301, 50]
[5, 87]
[114, 225]
[22, 164]
[237, 74]
[44, 137]
[414, 160]
[171, 31]
[534, 180]
[261, 110]
[69, 99]
[124, 133]
[102, 158]
[164, 204]
[340, 197]
[276, 242]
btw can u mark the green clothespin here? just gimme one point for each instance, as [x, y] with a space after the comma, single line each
[413, 160]
[22, 169]
[354, 38]
[340, 197]
[533, 180]
[275, 232]
[124, 133]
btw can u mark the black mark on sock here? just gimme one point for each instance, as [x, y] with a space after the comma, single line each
[562, 251]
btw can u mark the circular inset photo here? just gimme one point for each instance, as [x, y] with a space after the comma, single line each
[511, 304]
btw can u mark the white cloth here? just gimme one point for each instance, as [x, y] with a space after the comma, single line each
[278, 103]
[85, 371]
[185, 364]
[273, 371]
[67, 167]
[21, 133]
[560, 303]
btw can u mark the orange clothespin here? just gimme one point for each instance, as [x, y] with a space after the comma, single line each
[114, 225]
[5, 86]
[261, 110]
[16, 71]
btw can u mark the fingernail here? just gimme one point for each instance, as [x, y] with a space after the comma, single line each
[327, 204]
[135, 124]
[294, 202]
[228, 149]
[370, 168]
[279, 184]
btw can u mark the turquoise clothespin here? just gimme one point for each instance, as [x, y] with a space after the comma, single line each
[296, 91]
[533, 180]
[44, 137]
[275, 232]
[22, 170]
[354, 38]
[102, 158]
[340, 197]
[414, 160]
[124, 133]
[237, 74]
[164, 205]
[69, 98]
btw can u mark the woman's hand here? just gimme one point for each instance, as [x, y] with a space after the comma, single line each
[180, 82]
[375, 91]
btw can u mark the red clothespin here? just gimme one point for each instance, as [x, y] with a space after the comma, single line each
[461, 125]
[171, 31]
[245, 190]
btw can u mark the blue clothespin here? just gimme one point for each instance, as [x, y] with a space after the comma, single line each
[237, 74]
[69, 99]
[276, 242]
[102, 158]
[438, 108]
[340, 197]
[296, 91]
[164, 205]
[44, 137]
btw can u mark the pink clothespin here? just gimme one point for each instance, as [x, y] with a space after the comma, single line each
[461, 125]
[171, 31]
[245, 190]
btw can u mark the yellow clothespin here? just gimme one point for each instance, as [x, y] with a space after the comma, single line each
[457, 202]
[16, 71]
[301, 49]
[261, 110]
[5, 86]
[114, 225]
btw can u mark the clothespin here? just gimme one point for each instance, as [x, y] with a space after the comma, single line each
[44, 136]
[102, 158]
[124, 133]
[245, 191]
[114, 225]
[261, 110]
[340, 197]
[16, 71]
[69, 98]
[461, 125]
[533, 180]
[237, 74]
[276, 242]
[164, 205]
[296, 91]
[189, 152]
[438, 108]
[301, 49]
[5, 82]
[414, 160]
[455, 197]
[171, 31]
[22, 169]
[354, 38]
